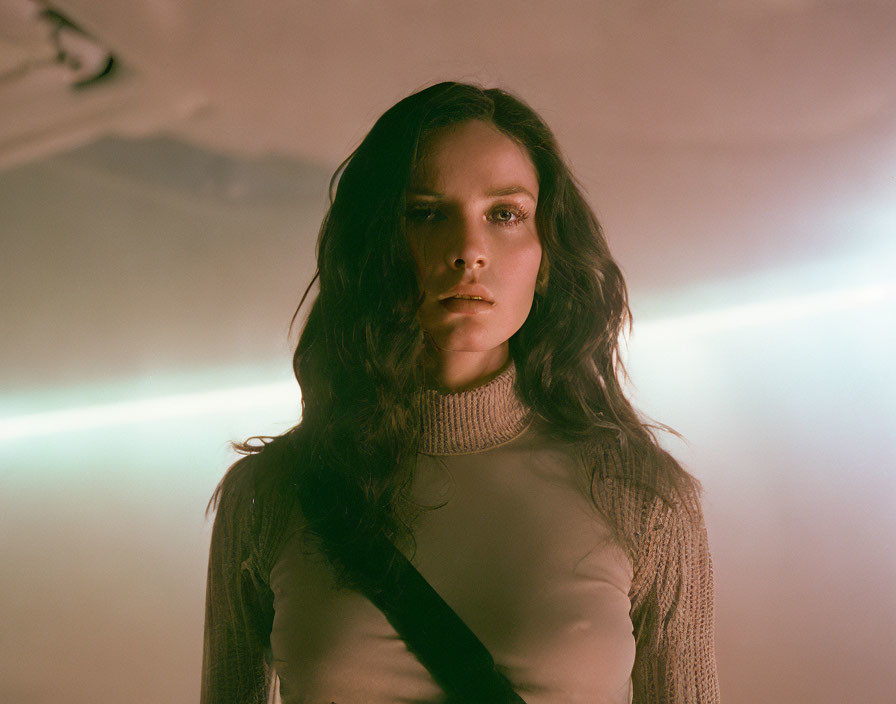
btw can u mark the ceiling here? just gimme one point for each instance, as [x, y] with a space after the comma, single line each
[307, 79]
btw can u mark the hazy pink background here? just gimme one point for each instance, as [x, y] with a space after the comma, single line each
[157, 232]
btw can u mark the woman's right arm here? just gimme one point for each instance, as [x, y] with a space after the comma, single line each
[234, 666]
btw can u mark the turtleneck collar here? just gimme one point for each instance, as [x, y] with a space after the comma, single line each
[474, 420]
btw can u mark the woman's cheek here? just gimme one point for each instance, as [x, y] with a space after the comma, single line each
[523, 259]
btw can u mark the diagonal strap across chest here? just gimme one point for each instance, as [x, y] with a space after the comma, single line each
[438, 637]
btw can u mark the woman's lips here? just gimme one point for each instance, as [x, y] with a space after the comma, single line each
[465, 305]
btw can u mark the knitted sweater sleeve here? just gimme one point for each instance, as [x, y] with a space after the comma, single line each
[673, 605]
[238, 606]
[672, 593]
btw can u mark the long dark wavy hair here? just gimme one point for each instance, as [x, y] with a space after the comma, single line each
[349, 462]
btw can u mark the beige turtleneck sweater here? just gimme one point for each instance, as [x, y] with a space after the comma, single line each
[514, 545]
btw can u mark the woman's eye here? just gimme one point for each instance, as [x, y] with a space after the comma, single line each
[501, 216]
[424, 215]
[507, 216]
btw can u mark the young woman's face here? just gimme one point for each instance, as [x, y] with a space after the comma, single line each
[470, 221]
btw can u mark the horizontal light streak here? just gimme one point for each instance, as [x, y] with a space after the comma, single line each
[767, 312]
[137, 411]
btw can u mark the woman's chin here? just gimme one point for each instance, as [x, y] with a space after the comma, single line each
[460, 343]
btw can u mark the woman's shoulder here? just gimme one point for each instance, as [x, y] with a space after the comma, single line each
[253, 500]
[643, 486]
[638, 465]
[654, 506]
[242, 484]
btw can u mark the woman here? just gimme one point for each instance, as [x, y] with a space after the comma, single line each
[460, 397]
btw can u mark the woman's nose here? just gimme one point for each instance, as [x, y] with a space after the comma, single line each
[468, 245]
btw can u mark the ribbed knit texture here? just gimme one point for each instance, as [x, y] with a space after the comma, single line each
[672, 586]
[473, 420]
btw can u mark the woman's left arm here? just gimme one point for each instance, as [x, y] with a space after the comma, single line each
[673, 609]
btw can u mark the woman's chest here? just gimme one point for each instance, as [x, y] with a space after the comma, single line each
[519, 554]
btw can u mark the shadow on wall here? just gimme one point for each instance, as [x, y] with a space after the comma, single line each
[137, 256]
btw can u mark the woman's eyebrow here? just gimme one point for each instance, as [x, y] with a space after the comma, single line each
[492, 193]
[509, 190]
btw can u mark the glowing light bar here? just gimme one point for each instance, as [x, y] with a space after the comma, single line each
[767, 312]
[269, 395]
[147, 410]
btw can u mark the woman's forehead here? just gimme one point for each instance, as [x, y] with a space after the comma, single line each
[472, 149]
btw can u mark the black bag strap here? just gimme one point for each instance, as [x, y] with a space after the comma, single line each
[457, 660]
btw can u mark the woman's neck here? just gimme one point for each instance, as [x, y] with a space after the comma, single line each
[451, 371]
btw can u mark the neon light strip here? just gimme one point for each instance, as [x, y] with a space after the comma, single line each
[267, 395]
[147, 410]
[767, 312]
